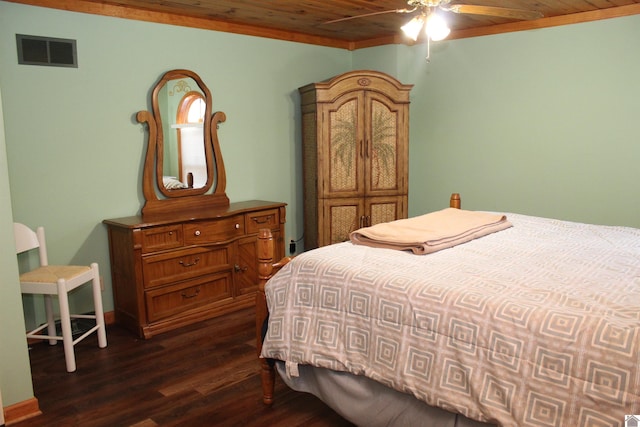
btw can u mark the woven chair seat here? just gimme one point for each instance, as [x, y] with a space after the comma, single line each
[52, 273]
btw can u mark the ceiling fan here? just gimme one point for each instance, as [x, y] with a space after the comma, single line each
[436, 28]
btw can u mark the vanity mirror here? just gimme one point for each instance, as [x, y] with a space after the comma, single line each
[183, 168]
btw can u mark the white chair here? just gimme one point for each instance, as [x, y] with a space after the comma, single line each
[50, 280]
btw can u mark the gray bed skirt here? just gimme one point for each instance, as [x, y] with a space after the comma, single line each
[367, 403]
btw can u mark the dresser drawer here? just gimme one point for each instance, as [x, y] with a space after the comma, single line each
[194, 294]
[161, 238]
[214, 231]
[183, 264]
[263, 219]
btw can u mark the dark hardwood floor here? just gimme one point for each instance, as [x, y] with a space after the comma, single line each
[200, 375]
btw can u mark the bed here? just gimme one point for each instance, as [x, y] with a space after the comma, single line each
[537, 324]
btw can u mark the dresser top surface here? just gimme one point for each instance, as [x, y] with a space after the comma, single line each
[138, 221]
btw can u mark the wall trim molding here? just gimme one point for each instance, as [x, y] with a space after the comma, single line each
[21, 411]
[30, 408]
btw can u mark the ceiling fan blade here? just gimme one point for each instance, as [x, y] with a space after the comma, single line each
[364, 15]
[494, 11]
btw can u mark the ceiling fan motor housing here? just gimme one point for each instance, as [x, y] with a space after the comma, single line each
[427, 3]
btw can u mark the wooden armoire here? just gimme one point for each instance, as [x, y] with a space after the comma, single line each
[355, 136]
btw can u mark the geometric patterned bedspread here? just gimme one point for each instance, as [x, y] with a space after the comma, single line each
[536, 325]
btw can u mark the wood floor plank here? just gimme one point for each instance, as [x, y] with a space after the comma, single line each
[216, 377]
[205, 374]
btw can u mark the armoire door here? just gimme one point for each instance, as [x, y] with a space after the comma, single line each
[385, 150]
[365, 146]
[342, 148]
[342, 215]
[339, 217]
[384, 209]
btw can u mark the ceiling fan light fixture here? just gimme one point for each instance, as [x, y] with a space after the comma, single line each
[412, 28]
[436, 27]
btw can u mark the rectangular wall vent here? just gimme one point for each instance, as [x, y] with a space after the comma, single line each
[36, 50]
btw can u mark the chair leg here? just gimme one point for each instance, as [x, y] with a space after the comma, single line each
[97, 305]
[65, 322]
[51, 324]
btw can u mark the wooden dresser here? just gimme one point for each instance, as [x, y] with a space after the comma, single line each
[355, 136]
[171, 271]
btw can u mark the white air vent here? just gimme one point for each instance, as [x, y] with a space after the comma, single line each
[36, 50]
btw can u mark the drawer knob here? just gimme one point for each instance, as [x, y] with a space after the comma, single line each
[239, 269]
[197, 232]
[237, 226]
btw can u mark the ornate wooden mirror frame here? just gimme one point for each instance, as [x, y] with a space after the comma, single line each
[161, 200]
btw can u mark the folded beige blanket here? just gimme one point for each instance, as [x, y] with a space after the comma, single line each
[431, 232]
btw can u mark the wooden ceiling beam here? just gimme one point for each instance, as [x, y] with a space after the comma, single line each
[554, 21]
[128, 12]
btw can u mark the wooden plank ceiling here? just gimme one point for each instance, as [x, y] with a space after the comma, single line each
[305, 21]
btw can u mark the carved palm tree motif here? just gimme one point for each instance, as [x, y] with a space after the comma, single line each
[383, 136]
[343, 146]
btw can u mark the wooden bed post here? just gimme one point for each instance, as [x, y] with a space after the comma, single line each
[454, 202]
[265, 271]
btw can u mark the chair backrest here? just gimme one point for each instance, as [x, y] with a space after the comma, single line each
[27, 239]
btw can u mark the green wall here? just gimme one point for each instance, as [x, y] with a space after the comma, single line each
[15, 372]
[538, 122]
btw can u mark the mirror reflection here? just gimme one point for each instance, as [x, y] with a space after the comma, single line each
[182, 108]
